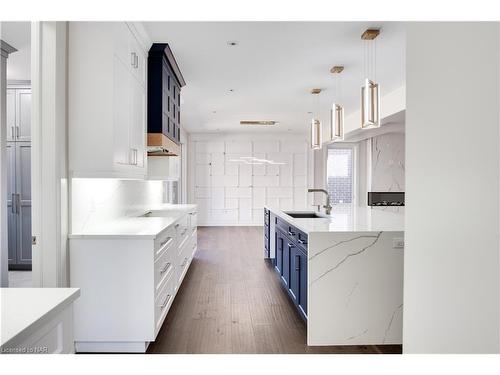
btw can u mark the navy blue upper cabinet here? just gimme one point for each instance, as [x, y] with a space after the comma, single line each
[164, 87]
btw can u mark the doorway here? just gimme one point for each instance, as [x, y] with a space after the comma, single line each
[18, 153]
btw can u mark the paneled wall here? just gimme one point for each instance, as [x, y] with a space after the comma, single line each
[232, 192]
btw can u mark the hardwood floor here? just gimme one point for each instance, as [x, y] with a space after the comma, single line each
[232, 302]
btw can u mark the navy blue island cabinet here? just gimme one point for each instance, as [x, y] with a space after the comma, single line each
[290, 261]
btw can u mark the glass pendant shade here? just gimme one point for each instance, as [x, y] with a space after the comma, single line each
[316, 134]
[370, 105]
[336, 122]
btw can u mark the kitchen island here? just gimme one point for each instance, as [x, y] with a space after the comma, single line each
[345, 276]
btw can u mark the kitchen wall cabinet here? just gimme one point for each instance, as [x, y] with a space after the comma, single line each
[107, 100]
[232, 192]
[164, 93]
[18, 114]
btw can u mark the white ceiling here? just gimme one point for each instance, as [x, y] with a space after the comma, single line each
[273, 68]
[18, 35]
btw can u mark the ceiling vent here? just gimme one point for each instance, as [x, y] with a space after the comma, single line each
[259, 122]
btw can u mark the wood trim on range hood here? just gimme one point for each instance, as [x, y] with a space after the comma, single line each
[160, 140]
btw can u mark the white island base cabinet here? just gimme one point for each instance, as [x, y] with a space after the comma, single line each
[128, 285]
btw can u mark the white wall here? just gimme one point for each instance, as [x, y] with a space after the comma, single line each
[96, 200]
[231, 193]
[451, 275]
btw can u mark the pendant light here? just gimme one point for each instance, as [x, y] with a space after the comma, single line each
[370, 92]
[316, 127]
[337, 110]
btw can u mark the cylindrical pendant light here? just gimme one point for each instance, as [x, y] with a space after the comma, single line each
[370, 91]
[337, 110]
[316, 126]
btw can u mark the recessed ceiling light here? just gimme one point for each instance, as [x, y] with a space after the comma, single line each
[232, 43]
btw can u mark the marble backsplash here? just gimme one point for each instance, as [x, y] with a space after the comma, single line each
[388, 169]
[95, 200]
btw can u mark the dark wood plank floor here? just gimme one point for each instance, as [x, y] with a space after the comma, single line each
[232, 302]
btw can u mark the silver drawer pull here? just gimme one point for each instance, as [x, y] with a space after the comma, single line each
[176, 225]
[168, 240]
[165, 303]
[300, 241]
[165, 268]
[290, 233]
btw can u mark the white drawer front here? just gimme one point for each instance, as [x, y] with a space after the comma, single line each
[163, 303]
[164, 268]
[165, 241]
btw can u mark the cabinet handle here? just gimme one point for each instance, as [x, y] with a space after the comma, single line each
[165, 303]
[165, 268]
[290, 233]
[12, 207]
[176, 226]
[300, 241]
[136, 61]
[297, 263]
[18, 203]
[133, 56]
[290, 245]
[168, 240]
[12, 131]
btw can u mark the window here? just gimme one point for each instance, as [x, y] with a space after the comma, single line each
[340, 179]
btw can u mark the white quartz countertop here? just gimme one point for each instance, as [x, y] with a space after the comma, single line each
[25, 309]
[346, 218]
[135, 225]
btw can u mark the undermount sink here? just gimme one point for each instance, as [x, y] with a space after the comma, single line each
[304, 215]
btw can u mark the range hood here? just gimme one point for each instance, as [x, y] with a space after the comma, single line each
[160, 145]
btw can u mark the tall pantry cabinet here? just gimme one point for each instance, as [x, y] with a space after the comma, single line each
[19, 176]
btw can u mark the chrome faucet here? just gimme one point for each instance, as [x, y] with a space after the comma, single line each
[327, 206]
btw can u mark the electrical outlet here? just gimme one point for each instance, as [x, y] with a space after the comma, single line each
[398, 243]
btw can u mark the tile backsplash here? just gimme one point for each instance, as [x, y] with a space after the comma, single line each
[95, 200]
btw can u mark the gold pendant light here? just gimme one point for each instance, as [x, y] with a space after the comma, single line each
[316, 126]
[337, 110]
[370, 92]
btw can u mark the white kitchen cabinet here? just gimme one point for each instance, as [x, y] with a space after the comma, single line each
[128, 283]
[106, 100]
[18, 114]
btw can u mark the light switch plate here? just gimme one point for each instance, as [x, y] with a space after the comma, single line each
[398, 243]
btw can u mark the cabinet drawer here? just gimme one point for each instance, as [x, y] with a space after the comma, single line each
[182, 231]
[164, 268]
[165, 241]
[193, 220]
[163, 302]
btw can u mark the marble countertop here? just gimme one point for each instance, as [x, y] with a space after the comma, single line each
[346, 218]
[135, 225]
[25, 309]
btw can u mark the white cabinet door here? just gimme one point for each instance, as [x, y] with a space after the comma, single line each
[23, 114]
[11, 114]
[138, 123]
[121, 113]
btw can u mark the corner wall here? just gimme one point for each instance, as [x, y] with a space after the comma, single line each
[452, 268]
